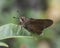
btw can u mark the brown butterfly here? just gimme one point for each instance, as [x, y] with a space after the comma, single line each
[35, 25]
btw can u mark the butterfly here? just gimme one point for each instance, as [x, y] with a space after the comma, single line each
[35, 25]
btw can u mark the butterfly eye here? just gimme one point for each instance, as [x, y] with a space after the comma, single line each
[23, 19]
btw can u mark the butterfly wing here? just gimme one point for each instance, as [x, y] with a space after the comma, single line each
[37, 25]
[44, 23]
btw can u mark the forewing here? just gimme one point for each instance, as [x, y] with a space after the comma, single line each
[37, 25]
[42, 23]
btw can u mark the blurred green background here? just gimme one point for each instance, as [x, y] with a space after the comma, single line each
[38, 9]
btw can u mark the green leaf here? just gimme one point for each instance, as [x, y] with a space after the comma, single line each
[10, 30]
[17, 41]
[3, 44]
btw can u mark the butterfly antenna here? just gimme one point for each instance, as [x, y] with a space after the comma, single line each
[20, 13]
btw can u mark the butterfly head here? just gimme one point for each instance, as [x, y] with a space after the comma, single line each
[23, 20]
